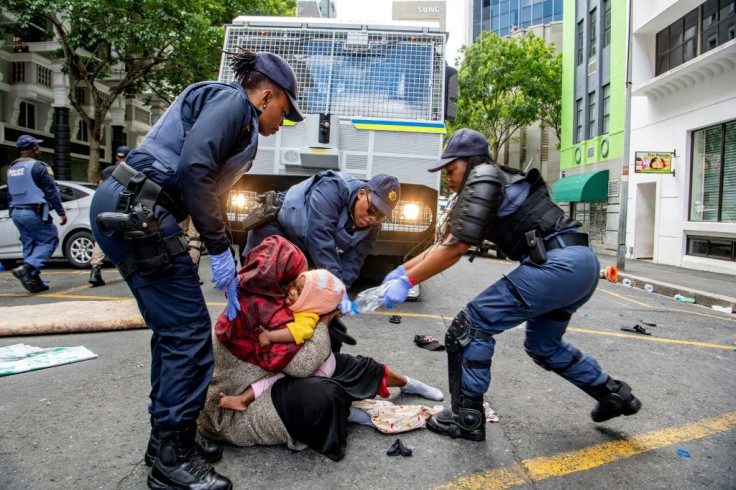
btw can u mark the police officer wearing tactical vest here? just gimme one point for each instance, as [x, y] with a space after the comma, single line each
[557, 274]
[33, 192]
[186, 166]
[334, 219]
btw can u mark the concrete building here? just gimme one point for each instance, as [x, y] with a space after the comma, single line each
[506, 16]
[316, 8]
[680, 169]
[683, 105]
[34, 100]
[421, 11]
[593, 111]
[531, 146]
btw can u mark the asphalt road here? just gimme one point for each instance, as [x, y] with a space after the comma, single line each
[85, 425]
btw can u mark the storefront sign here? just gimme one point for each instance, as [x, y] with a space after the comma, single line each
[653, 162]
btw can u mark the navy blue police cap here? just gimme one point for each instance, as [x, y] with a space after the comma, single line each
[26, 142]
[385, 192]
[277, 69]
[463, 143]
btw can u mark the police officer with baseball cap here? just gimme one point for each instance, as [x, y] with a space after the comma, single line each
[334, 219]
[557, 274]
[204, 142]
[33, 191]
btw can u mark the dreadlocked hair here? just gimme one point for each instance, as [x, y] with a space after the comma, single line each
[243, 64]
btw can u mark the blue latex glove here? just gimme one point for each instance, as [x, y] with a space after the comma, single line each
[223, 269]
[396, 291]
[394, 274]
[231, 292]
[346, 306]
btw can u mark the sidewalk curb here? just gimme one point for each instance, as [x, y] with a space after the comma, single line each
[702, 298]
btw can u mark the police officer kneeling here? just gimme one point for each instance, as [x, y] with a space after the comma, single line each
[32, 190]
[557, 274]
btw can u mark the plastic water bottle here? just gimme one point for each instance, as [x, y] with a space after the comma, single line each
[648, 288]
[626, 282]
[684, 299]
[370, 299]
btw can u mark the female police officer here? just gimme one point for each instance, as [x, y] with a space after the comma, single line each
[185, 167]
[558, 273]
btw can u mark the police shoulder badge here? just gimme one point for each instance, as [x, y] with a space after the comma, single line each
[392, 196]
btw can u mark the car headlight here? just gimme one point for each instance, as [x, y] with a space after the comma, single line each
[410, 211]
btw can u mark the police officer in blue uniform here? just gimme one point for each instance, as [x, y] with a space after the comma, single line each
[334, 219]
[33, 192]
[557, 274]
[186, 166]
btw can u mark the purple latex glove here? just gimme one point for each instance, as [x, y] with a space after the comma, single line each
[346, 306]
[394, 274]
[231, 292]
[396, 291]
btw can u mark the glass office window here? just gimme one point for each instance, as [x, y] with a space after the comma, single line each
[606, 22]
[713, 185]
[592, 32]
[592, 115]
[606, 109]
[579, 121]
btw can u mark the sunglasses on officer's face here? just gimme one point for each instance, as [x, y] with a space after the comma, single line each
[373, 210]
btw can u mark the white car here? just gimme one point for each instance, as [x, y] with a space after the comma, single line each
[75, 238]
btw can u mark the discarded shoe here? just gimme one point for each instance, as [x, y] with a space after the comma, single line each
[428, 342]
[398, 448]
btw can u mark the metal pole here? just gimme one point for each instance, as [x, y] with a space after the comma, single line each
[623, 210]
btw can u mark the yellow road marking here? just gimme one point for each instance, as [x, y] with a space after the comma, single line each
[653, 339]
[542, 468]
[664, 308]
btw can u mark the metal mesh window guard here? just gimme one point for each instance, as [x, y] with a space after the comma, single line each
[355, 73]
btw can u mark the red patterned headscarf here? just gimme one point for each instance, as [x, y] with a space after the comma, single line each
[273, 263]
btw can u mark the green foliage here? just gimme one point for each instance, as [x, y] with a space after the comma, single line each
[507, 83]
[135, 46]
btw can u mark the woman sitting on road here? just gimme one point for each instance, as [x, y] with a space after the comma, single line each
[296, 409]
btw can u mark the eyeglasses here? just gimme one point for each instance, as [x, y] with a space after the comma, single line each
[373, 210]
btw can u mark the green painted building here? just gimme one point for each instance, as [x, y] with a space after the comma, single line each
[593, 112]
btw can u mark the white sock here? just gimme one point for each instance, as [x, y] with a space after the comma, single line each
[415, 387]
[358, 416]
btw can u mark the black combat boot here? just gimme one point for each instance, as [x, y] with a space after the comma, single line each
[614, 399]
[208, 450]
[179, 464]
[95, 277]
[469, 422]
[32, 282]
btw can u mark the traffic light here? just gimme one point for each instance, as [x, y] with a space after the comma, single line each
[450, 92]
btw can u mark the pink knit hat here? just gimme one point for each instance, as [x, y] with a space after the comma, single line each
[321, 294]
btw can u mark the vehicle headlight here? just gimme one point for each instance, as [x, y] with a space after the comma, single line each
[410, 211]
[238, 200]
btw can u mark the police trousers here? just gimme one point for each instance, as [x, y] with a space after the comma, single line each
[174, 308]
[38, 237]
[544, 296]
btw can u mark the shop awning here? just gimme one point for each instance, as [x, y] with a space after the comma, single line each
[588, 187]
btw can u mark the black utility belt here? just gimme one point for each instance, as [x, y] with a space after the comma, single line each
[33, 207]
[538, 247]
[569, 239]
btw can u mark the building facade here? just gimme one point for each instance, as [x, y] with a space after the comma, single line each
[531, 146]
[34, 100]
[683, 106]
[420, 11]
[506, 16]
[593, 112]
[316, 8]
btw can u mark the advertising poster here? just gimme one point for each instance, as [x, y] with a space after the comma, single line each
[653, 162]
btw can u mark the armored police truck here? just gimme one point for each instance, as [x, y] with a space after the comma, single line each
[374, 101]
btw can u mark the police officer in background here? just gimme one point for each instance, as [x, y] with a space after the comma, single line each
[557, 274]
[98, 256]
[186, 166]
[33, 191]
[334, 219]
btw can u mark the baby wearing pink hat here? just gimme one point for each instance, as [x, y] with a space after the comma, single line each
[312, 294]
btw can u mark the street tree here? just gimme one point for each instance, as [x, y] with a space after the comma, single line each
[115, 48]
[507, 83]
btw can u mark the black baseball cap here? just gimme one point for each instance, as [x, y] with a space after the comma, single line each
[463, 143]
[277, 69]
[122, 151]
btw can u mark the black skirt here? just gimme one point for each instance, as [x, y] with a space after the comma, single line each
[315, 410]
